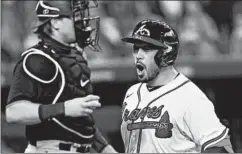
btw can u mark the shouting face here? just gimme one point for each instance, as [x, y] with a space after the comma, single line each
[146, 67]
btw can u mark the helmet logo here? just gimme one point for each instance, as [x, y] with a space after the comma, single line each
[46, 11]
[143, 31]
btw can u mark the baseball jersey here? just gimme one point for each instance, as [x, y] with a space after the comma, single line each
[77, 84]
[177, 117]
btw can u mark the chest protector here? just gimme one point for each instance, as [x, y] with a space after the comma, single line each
[77, 75]
[71, 80]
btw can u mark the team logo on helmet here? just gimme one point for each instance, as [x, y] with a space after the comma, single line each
[143, 31]
[46, 11]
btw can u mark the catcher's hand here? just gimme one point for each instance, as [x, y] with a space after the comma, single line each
[82, 106]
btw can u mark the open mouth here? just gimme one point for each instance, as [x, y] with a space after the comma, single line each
[140, 67]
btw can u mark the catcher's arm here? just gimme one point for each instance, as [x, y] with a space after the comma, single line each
[101, 145]
[25, 90]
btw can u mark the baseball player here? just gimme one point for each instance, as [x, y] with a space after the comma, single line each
[51, 91]
[165, 111]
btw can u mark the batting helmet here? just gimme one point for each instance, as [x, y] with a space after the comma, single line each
[159, 35]
[86, 34]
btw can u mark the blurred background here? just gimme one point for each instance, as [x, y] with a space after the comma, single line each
[210, 34]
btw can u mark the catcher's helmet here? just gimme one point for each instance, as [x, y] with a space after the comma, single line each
[86, 34]
[160, 35]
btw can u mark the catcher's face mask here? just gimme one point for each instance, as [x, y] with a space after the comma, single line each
[86, 27]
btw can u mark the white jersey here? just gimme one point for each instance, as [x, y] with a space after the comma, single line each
[177, 117]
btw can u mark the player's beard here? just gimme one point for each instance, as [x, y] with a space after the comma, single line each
[148, 74]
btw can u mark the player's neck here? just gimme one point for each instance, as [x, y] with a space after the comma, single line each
[165, 76]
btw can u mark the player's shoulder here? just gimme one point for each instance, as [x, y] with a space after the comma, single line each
[39, 65]
[193, 95]
[189, 88]
[133, 89]
[195, 91]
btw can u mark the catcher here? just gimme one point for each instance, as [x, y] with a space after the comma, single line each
[51, 91]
